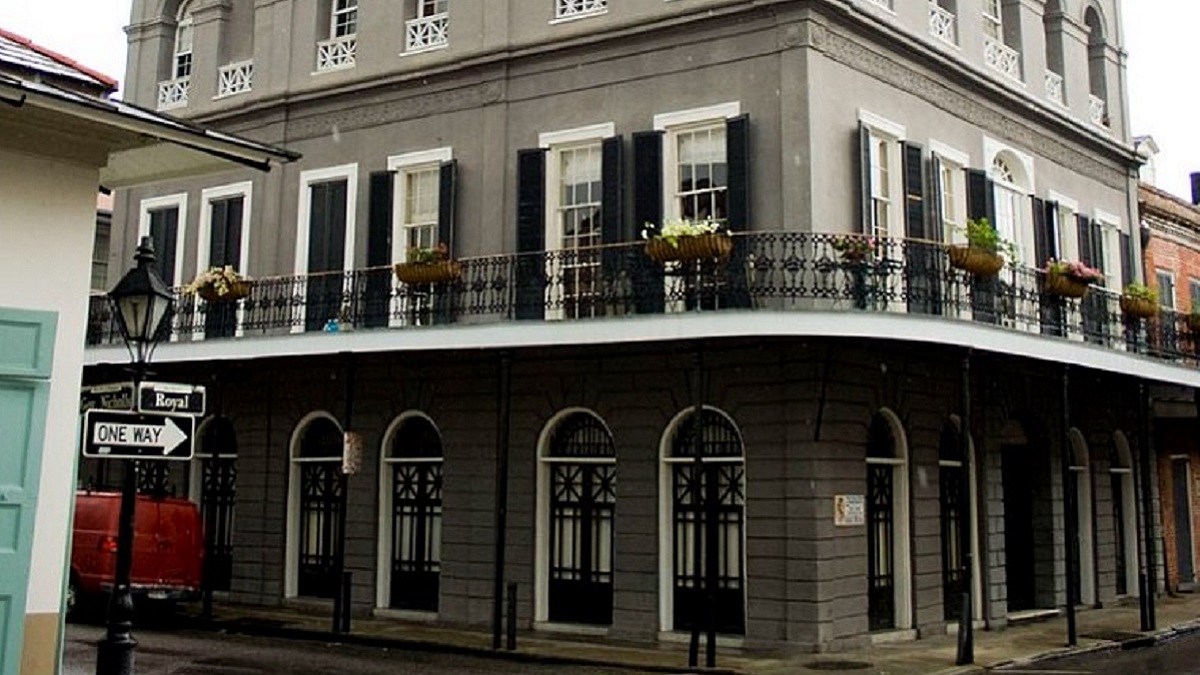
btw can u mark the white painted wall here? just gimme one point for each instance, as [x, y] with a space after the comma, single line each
[47, 222]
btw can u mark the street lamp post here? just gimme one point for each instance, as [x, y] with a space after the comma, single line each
[143, 305]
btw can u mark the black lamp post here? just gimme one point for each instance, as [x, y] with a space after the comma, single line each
[143, 305]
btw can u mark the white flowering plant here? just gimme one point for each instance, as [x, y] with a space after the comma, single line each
[672, 230]
[216, 282]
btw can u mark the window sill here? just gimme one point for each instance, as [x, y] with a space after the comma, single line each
[577, 17]
[424, 50]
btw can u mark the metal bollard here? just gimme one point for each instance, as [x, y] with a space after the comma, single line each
[347, 578]
[511, 643]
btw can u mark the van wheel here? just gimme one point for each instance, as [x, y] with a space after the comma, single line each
[72, 598]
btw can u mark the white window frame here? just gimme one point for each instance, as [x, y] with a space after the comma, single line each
[1068, 228]
[1128, 511]
[671, 123]
[884, 130]
[349, 172]
[1165, 300]
[1110, 234]
[180, 201]
[245, 190]
[600, 8]
[954, 163]
[185, 23]
[335, 13]
[403, 165]
[291, 573]
[428, 8]
[1022, 225]
[995, 20]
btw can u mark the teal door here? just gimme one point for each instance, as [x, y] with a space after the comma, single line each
[26, 352]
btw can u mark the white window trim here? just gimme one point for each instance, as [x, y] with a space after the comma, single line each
[292, 554]
[307, 179]
[1063, 201]
[180, 201]
[245, 190]
[1068, 244]
[383, 561]
[958, 160]
[993, 147]
[401, 164]
[893, 133]
[577, 17]
[591, 132]
[1169, 273]
[682, 120]
[950, 154]
[1110, 233]
[884, 126]
[679, 118]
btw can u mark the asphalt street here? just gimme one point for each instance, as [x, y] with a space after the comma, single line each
[201, 653]
[1178, 657]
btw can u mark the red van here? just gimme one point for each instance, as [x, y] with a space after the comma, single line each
[168, 549]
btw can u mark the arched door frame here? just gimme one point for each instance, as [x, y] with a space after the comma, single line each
[225, 519]
[901, 519]
[973, 513]
[1123, 470]
[666, 511]
[383, 541]
[541, 560]
[1081, 469]
[292, 555]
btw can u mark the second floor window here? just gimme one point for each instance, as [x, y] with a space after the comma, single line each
[1166, 289]
[345, 18]
[993, 23]
[428, 8]
[182, 62]
[701, 176]
[420, 209]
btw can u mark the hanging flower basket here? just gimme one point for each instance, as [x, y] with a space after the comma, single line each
[234, 291]
[1064, 285]
[977, 261]
[437, 272]
[1138, 308]
[694, 247]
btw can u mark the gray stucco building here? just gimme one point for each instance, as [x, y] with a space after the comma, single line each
[842, 144]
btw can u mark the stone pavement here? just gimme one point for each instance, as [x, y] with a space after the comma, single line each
[1023, 644]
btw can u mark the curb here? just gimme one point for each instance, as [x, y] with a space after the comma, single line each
[408, 644]
[1161, 636]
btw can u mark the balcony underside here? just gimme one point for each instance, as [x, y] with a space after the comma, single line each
[771, 285]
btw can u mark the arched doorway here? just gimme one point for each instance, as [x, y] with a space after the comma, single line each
[1029, 551]
[1124, 515]
[577, 496]
[213, 485]
[953, 471]
[314, 507]
[410, 527]
[705, 504]
[1085, 549]
[889, 582]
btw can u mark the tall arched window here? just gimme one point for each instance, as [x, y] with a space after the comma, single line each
[888, 582]
[214, 488]
[1097, 65]
[315, 503]
[704, 504]
[181, 63]
[1052, 25]
[1120, 470]
[1081, 484]
[411, 531]
[577, 499]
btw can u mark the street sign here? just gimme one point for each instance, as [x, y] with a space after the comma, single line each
[171, 397]
[113, 396]
[119, 434]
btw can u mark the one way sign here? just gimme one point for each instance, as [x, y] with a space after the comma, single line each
[114, 434]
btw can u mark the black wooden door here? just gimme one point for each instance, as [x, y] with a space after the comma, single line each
[1017, 473]
[1183, 525]
[416, 535]
[320, 503]
[326, 253]
[225, 248]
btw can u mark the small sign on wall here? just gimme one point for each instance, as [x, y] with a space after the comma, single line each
[352, 451]
[849, 510]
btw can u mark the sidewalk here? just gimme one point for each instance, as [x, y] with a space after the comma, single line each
[1037, 642]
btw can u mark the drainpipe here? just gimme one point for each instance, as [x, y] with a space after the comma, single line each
[1070, 535]
[966, 625]
[1145, 450]
[501, 508]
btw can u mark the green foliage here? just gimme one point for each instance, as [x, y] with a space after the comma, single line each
[1142, 292]
[981, 235]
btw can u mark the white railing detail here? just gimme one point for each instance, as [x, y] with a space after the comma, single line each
[886, 4]
[1054, 88]
[336, 53]
[570, 8]
[1002, 58]
[174, 93]
[426, 32]
[235, 78]
[1097, 110]
[942, 23]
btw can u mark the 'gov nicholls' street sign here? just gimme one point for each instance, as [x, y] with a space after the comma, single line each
[115, 434]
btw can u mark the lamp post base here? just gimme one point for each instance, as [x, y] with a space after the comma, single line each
[115, 655]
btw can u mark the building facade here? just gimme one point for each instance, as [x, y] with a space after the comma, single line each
[592, 411]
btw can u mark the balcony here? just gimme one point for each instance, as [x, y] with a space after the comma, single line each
[942, 24]
[571, 9]
[336, 53]
[1002, 58]
[173, 94]
[235, 78]
[769, 272]
[1054, 88]
[428, 32]
[1097, 111]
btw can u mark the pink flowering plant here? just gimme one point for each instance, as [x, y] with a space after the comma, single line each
[855, 247]
[1073, 269]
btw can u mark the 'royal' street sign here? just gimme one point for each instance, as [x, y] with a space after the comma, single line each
[115, 434]
[171, 397]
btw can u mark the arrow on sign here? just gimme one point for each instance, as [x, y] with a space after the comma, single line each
[167, 435]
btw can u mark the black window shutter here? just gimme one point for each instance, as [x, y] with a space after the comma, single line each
[531, 233]
[1084, 226]
[1053, 229]
[318, 227]
[1041, 233]
[612, 208]
[934, 204]
[737, 157]
[447, 203]
[218, 224]
[1098, 246]
[981, 197]
[164, 231]
[1127, 265]
[647, 208]
[337, 225]
[377, 295]
[864, 171]
[233, 231]
[914, 192]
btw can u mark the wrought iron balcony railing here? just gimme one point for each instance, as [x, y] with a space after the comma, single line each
[767, 271]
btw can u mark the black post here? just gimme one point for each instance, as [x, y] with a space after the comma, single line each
[698, 579]
[341, 595]
[210, 520]
[1145, 450]
[115, 653]
[511, 637]
[1070, 536]
[501, 522]
[966, 624]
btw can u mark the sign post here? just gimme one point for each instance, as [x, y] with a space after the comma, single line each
[117, 434]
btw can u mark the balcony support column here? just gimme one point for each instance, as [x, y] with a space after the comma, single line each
[503, 414]
[1070, 510]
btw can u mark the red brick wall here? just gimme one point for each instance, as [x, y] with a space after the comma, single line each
[1177, 437]
[1182, 260]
